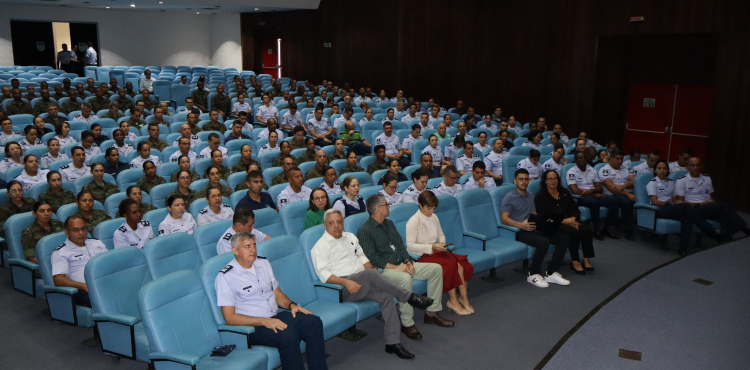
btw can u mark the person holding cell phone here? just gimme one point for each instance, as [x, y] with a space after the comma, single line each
[425, 237]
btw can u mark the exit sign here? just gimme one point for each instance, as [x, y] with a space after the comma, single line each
[649, 103]
[637, 19]
[326, 44]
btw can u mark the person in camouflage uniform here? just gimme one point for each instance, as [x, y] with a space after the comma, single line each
[338, 152]
[282, 178]
[44, 104]
[214, 124]
[43, 225]
[200, 97]
[184, 163]
[217, 158]
[99, 102]
[98, 187]
[351, 164]
[16, 204]
[222, 102]
[122, 100]
[285, 149]
[72, 104]
[91, 216]
[320, 166]
[148, 103]
[246, 160]
[380, 162]
[18, 106]
[183, 189]
[309, 154]
[134, 193]
[113, 112]
[213, 174]
[135, 118]
[153, 137]
[147, 182]
[56, 196]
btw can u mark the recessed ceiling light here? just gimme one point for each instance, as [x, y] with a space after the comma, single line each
[161, 2]
[197, 12]
[256, 8]
[132, 5]
[108, 7]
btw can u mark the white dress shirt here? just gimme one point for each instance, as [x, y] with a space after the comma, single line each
[70, 260]
[207, 216]
[184, 224]
[337, 257]
[125, 236]
[288, 196]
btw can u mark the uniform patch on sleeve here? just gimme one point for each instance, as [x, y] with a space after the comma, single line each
[571, 176]
[226, 269]
[64, 167]
[161, 232]
[681, 177]
[227, 236]
[203, 211]
[122, 228]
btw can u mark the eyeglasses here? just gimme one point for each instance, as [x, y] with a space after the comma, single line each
[15, 191]
[77, 230]
[184, 178]
[320, 198]
[214, 196]
[453, 178]
[553, 179]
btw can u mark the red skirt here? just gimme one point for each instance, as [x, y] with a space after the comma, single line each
[449, 262]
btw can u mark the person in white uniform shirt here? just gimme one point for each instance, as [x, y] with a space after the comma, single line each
[273, 139]
[589, 142]
[53, 145]
[346, 116]
[295, 191]
[144, 154]
[71, 257]
[243, 221]
[554, 139]
[177, 220]
[531, 164]
[465, 162]
[682, 161]
[450, 185]
[494, 161]
[329, 184]
[7, 132]
[618, 187]
[77, 169]
[320, 129]
[241, 106]
[91, 56]
[392, 144]
[266, 111]
[189, 106]
[535, 140]
[557, 161]
[120, 144]
[411, 116]
[479, 178]
[409, 140]
[697, 190]
[186, 133]
[271, 126]
[557, 128]
[214, 142]
[184, 144]
[390, 190]
[489, 124]
[88, 145]
[63, 137]
[648, 165]
[146, 83]
[434, 115]
[419, 180]
[351, 202]
[215, 211]
[31, 175]
[338, 259]
[85, 116]
[125, 127]
[424, 121]
[435, 151]
[134, 232]
[584, 182]
[291, 119]
[31, 140]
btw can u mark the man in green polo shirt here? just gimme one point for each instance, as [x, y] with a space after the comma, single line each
[385, 249]
[354, 140]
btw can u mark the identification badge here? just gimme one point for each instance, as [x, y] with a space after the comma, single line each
[393, 247]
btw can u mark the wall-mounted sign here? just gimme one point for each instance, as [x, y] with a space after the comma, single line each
[649, 103]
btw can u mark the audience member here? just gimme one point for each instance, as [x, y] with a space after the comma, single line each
[31, 174]
[177, 220]
[318, 205]
[214, 176]
[134, 192]
[99, 188]
[479, 178]
[255, 198]
[55, 195]
[134, 232]
[93, 217]
[183, 188]
[42, 226]
[16, 203]
[296, 191]
[531, 164]
[243, 221]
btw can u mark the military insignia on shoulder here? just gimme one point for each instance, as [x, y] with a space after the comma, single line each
[60, 247]
[194, 137]
[226, 269]
[467, 180]
[226, 205]
[161, 232]
[145, 223]
[122, 228]
[605, 172]
[263, 258]
[654, 179]
[704, 174]
[61, 167]
[203, 211]
[227, 236]
[681, 177]
[571, 176]
[438, 185]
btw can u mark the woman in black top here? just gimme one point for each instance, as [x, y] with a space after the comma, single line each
[553, 199]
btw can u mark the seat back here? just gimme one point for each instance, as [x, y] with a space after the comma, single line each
[497, 195]
[450, 220]
[290, 268]
[84, 180]
[417, 147]
[14, 227]
[208, 272]
[112, 203]
[677, 174]
[269, 222]
[363, 178]
[129, 177]
[564, 174]
[155, 217]
[43, 186]
[308, 239]
[293, 217]
[400, 215]
[170, 253]
[207, 236]
[159, 194]
[353, 222]
[106, 230]
[475, 211]
[177, 316]
[639, 185]
[44, 249]
[114, 279]
[509, 166]
[68, 209]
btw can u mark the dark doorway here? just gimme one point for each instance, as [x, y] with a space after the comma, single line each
[651, 60]
[82, 33]
[33, 43]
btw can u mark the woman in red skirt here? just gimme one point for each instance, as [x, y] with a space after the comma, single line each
[425, 237]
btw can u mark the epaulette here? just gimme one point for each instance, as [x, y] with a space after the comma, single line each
[654, 179]
[226, 268]
[161, 232]
[704, 174]
[668, 179]
[398, 192]
[194, 137]
[64, 167]
[462, 156]
[227, 236]
[261, 257]
[203, 211]
[122, 228]
[226, 205]
[467, 180]
[438, 185]
[476, 156]
[681, 177]
[60, 247]
[145, 223]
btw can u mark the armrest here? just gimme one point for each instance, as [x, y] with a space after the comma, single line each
[23, 263]
[414, 256]
[646, 206]
[239, 329]
[329, 292]
[508, 227]
[115, 318]
[475, 235]
[575, 196]
[60, 289]
[321, 284]
[181, 358]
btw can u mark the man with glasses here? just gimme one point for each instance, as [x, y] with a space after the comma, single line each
[697, 190]
[385, 249]
[338, 259]
[73, 171]
[516, 210]
[449, 186]
[70, 258]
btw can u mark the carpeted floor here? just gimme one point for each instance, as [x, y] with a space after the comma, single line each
[515, 326]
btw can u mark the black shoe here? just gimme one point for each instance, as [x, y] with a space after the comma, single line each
[399, 350]
[611, 234]
[420, 301]
[629, 235]
[579, 272]
[682, 252]
[598, 235]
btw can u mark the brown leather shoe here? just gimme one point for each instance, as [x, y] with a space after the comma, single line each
[438, 320]
[411, 332]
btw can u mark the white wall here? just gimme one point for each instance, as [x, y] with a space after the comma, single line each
[142, 38]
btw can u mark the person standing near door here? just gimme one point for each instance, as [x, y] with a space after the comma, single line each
[65, 58]
[80, 60]
[91, 56]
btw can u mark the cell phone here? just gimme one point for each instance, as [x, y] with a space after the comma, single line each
[448, 245]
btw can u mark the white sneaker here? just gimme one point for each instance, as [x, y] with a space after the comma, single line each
[537, 280]
[556, 278]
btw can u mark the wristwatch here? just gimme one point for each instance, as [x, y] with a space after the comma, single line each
[292, 303]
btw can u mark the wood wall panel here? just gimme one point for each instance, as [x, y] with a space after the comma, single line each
[535, 57]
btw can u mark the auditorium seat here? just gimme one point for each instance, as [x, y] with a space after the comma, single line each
[21, 270]
[106, 230]
[170, 253]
